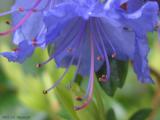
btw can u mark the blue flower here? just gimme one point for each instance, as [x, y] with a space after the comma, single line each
[27, 25]
[86, 33]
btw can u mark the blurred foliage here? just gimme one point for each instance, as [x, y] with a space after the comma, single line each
[111, 115]
[141, 114]
[21, 89]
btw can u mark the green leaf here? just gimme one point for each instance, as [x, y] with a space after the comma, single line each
[119, 71]
[141, 114]
[111, 115]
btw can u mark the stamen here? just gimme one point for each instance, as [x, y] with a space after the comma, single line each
[102, 29]
[75, 75]
[61, 78]
[44, 63]
[65, 44]
[107, 60]
[8, 22]
[22, 21]
[99, 49]
[39, 65]
[103, 78]
[45, 92]
[99, 58]
[79, 98]
[79, 61]
[91, 80]
[21, 9]
[57, 52]
[15, 49]
[104, 51]
[34, 42]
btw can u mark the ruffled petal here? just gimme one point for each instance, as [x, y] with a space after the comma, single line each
[142, 21]
[24, 50]
[134, 5]
[140, 61]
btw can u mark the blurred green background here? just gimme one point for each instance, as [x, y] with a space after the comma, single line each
[21, 87]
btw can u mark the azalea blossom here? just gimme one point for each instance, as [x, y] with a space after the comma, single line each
[89, 34]
[84, 33]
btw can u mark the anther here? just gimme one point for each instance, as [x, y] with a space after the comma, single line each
[99, 58]
[15, 49]
[21, 9]
[79, 98]
[34, 10]
[7, 22]
[103, 78]
[114, 55]
[45, 92]
[34, 42]
[38, 65]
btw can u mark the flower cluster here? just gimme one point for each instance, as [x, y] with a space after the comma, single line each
[84, 33]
